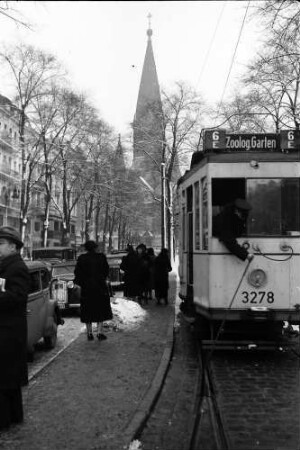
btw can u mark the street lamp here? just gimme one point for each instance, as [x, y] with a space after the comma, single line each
[163, 206]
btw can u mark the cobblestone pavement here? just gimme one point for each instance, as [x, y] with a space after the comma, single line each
[86, 398]
[259, 395]
[65, 335]
[169, 426]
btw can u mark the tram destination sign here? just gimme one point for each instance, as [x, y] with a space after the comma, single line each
[215, 140]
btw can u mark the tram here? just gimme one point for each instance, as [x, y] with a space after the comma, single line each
[264, 170]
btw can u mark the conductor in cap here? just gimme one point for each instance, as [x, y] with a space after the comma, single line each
[230, 224]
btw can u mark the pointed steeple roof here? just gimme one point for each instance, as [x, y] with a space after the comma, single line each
[119, 157]
[149, 92]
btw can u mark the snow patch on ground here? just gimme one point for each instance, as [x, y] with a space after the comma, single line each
[127, 314]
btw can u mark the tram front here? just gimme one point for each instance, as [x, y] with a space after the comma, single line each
[227, 285]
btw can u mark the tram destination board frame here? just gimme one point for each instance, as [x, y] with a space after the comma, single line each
[218, 140]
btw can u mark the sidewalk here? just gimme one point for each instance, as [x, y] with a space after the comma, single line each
[96, 395]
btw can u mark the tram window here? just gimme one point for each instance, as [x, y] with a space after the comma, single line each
[197, 216]
[275, 206]
[204, 213]
[225, 191]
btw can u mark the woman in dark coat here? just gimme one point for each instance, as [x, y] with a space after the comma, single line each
[142, 273]
[91, 273]
[150, 283]
[129, 266]
[162, 267]
[14, 288]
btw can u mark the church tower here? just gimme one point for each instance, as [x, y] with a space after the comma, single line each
[148, 139]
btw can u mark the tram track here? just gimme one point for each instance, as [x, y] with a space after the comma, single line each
[207, 430]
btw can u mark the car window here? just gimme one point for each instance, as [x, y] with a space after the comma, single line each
[45, 277]
[62, 270]
[34, 282]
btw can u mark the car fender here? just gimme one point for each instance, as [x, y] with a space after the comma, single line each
[52, 307]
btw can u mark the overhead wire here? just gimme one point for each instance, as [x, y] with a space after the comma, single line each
[233, 57]
[211, 44]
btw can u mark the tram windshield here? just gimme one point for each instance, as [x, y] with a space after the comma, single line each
[275, 203]
[275, 207]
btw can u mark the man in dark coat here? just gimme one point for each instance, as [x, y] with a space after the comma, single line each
[91, 273]
[14, 288]
[162, 267]
[230, 224]
[129, 266]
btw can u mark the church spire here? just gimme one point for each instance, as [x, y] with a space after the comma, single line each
[119, 164]
[149, 92]
[149, 31]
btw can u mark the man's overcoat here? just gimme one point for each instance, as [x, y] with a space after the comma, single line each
[91, 272]
[13, 322]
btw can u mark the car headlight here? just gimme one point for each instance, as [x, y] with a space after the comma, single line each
[70, 284]
[257, 278]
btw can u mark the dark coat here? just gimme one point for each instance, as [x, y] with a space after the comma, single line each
[129, 265]
[91, 272]
[143, 273]
[227, 227]
[13, 322]
[162, 267]
[151, 269]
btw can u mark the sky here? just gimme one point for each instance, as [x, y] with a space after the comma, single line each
[102, 44]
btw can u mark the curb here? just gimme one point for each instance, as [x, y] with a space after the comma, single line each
[141, 415]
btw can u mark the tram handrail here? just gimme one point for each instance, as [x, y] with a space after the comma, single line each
[257, 249]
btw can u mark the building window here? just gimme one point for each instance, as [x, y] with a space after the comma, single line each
[38, 199]
[56, 226]
[37, 226]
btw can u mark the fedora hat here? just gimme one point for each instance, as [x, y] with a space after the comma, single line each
[12, 235]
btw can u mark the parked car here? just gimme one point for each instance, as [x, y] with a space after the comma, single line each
[115, 276]
[63, 289]
[43, 315]
[67, 294]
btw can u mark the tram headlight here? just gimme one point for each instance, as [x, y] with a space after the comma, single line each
[257, 278]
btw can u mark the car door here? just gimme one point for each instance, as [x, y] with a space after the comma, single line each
[35, 305]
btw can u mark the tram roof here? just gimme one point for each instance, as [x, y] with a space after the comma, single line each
[201, 158]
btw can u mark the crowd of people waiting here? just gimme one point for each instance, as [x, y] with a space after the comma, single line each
[144, 273]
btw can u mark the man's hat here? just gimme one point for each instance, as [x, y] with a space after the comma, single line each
[90, 245]
[12, 235]
[240, 203]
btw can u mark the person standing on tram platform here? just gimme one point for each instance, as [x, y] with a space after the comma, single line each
[230, 224]
[14, 289]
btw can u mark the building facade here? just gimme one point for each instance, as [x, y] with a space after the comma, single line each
[10, 186]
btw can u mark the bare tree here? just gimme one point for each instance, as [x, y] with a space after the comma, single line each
[32, 71]
[183, 110]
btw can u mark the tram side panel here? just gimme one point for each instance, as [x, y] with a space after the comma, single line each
[269, 290]
[202, 283]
